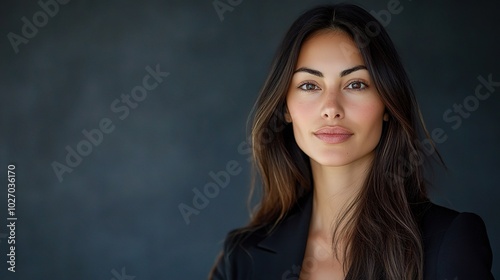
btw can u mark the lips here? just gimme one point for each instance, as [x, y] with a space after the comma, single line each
[333, 134]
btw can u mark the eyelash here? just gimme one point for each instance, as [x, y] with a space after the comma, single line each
[308, 83]
[363, 86]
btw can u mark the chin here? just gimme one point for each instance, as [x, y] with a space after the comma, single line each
[331, 161]
[339, 160]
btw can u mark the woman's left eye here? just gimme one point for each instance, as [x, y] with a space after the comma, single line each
[357, 85]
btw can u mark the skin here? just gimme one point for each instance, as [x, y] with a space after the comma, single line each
[331, 87]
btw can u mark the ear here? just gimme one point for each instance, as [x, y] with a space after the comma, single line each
[288, 118]
[386, 117]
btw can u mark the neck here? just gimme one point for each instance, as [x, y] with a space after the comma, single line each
[334, 189]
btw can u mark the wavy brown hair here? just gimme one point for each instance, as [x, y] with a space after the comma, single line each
[381, 224]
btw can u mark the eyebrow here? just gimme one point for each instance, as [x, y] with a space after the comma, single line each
[319, 74]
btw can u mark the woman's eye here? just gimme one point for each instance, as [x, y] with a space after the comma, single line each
[357, 85]
[308, 87]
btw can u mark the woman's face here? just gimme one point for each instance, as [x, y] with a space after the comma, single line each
[334, 108]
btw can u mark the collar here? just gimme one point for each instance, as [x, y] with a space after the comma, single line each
[290, 236]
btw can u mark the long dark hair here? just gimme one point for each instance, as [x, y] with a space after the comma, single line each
[380, 225]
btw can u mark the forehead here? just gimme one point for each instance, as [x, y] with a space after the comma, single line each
[327, 49]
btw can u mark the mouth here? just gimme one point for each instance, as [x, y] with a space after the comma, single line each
[333, 134]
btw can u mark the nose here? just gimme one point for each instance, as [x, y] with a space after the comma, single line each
[332, 106]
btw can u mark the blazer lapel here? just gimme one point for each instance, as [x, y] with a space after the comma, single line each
[283, 249]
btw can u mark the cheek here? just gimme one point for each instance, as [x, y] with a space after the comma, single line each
[302, 115]
[299, 120]
[300, 111]
[369, 111]
[372, 114]
[370, 117]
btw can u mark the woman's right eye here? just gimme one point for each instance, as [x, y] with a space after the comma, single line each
[308, 87]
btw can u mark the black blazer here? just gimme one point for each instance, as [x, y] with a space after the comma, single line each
[456, 247]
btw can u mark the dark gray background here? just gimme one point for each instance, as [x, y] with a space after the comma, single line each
[119, 207]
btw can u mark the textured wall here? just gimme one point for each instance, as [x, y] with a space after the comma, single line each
[155, 96]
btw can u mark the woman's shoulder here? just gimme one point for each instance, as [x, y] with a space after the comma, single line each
[247, 237]
[244, 238]
[438, 220]
[236, 253]
[456, 244]
[247, 250]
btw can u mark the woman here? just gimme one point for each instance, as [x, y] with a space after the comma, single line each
[336, 142]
